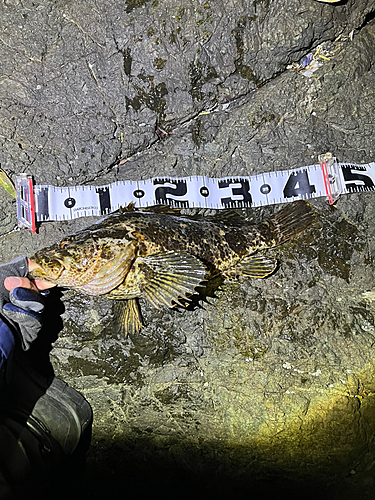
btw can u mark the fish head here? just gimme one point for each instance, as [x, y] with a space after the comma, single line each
[95, 265]
[66, 259]
[50, 268]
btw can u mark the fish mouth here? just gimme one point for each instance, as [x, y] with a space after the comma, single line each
[50, 267]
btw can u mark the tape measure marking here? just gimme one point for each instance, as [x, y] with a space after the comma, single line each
[326, 179]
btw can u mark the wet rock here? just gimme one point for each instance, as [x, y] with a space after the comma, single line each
[269, 379]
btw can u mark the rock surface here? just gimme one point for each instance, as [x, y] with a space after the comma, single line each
[270, 386]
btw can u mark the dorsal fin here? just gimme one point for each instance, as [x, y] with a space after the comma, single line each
[228, 217]
[162, 209]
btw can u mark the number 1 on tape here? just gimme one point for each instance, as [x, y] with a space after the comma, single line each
[329, 178]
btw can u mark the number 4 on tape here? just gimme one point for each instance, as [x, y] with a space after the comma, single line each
[330, 178]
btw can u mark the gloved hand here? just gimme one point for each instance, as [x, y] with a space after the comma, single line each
[24, 310]
[20, 310]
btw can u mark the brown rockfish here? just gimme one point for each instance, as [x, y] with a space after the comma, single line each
[163, 257]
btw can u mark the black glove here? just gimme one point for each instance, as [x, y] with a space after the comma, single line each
[21, 308]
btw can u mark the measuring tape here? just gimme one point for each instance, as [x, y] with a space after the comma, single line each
[328, 178]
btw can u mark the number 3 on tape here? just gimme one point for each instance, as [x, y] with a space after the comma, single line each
[328, 178]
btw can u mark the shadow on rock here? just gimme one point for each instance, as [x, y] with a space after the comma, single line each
[118, 471]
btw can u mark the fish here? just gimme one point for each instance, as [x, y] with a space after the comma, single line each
[162, 256]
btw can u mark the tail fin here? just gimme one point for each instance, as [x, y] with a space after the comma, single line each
[291, 221]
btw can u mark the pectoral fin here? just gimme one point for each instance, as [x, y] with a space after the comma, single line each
[128, 319]
[169, 276]
[256, 266]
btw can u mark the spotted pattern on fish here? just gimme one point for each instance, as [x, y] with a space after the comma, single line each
[163, 257]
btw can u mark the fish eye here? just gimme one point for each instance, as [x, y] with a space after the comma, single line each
[64, 244]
